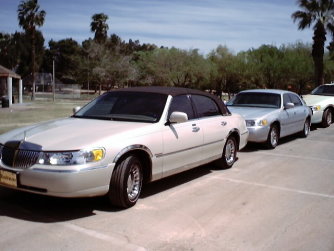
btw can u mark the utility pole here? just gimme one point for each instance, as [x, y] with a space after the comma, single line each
[53, 81]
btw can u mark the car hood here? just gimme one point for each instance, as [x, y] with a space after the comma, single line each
[75, 133]
[252, 112]
[318, 99]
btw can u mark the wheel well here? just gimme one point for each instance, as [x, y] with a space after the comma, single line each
[331, 109]
[144, 159]
[236, 136]
[276, 123]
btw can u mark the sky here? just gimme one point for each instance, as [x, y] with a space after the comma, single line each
[186, 24]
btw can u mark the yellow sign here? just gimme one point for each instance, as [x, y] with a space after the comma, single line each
[8, 178]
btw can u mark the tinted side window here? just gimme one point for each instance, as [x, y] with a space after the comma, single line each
[205, 106]
[286, 99]
[295, 99]
[182, 104]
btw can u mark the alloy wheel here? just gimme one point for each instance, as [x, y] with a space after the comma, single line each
[133, 183]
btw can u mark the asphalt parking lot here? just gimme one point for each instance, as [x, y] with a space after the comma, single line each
[280, 199]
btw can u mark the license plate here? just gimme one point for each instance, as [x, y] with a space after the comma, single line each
[8, 178]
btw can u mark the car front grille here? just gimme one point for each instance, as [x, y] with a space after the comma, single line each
[15, 157]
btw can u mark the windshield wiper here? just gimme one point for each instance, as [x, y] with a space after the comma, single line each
[92, 117]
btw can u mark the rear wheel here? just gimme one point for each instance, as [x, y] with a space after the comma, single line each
[327, 118]
[273, 136]
[229, 154]
[126, 182]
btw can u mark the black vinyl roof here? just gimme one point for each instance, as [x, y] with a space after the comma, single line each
[175, 91]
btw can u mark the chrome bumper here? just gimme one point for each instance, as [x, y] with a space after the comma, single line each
[85, 182]
[258, 133]
[317, 117]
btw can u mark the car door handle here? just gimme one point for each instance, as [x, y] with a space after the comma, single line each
[223, 123]
[196, 129]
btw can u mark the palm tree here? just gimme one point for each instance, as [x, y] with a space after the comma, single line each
[99, 26]
[29, 17]
[318, 13]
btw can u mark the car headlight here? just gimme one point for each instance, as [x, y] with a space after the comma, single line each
[262, 122]
[316, 108]
[71, 157]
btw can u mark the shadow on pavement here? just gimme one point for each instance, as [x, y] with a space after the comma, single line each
[39, 208]
[253, 147]
[175, 180]
[45, 209]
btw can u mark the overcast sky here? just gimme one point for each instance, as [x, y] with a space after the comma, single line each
[186, 24]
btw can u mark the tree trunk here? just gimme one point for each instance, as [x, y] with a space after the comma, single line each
[319, 39]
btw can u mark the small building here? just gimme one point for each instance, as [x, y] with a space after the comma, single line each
[43, 82]
[6, 84]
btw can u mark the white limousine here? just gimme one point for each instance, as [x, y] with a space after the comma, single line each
[119, 141]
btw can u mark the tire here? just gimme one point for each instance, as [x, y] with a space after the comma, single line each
[306, 129]
[126, 182]
[229, 154]
[273, 136]
[327, 118]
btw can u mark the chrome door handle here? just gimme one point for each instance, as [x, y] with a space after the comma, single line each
[223, 123]
[196, 129]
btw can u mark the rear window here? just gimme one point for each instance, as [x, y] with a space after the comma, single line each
[205, 106]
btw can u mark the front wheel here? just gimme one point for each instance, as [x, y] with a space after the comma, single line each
[306, 129]
[327, 118]
[273, 136]
[126, 182]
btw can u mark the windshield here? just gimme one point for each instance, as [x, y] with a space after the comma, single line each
[125, 106]
[256, 99]
[327, 90]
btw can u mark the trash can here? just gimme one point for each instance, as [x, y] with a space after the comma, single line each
[5, 101]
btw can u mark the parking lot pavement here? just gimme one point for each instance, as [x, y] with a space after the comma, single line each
[280, 199]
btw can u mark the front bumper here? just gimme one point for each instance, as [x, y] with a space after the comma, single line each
[317, 117]
[85, 182]
[258, 133]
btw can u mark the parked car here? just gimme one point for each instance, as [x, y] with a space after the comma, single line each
[321, 100]
[272, 114]
[120, 140]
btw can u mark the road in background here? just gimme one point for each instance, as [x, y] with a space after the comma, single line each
[280, 199]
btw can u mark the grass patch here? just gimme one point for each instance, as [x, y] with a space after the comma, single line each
[20, 115]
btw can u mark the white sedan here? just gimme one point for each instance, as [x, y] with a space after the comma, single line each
[119, 141]
[321, 100]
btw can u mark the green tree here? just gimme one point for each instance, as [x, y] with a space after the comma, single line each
[269, 61]
[67, 54]
[107, 66]
[100, 27]
[9, 51]
[318, 13]
[298, 67]
[30, 17]
[227, 71]
[15, 51]
[172, 67]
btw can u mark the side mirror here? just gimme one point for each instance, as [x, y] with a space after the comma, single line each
[178, 117]
[76, 109]
[289, 105]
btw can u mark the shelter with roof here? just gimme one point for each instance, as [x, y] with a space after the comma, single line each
[6, 84]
